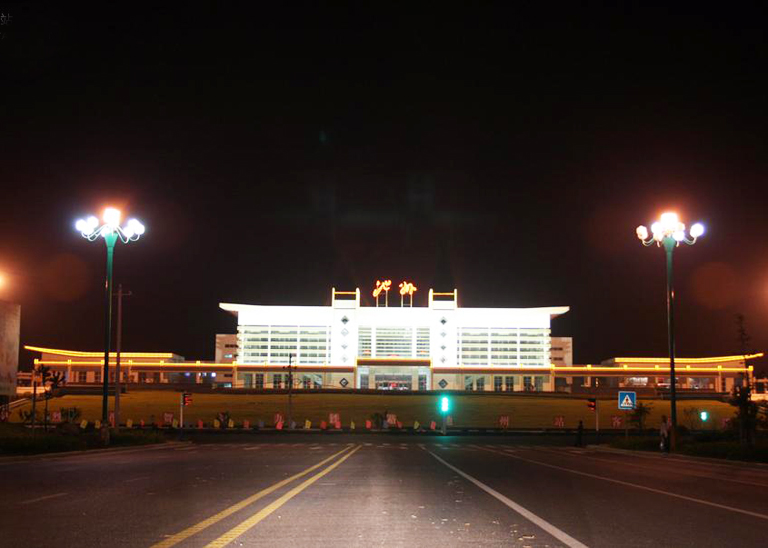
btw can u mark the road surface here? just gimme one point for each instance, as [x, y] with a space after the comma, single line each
[380, 490]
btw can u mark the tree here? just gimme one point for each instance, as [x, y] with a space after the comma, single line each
[692, 417]
[639, 413]
[44, 373]
[746, 410]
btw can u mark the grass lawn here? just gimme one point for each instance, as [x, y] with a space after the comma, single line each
[467, 409]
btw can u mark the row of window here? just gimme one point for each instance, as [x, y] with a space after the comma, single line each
[275, 344]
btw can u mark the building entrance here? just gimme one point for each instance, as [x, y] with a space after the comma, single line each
[393, 374]
[394, 382]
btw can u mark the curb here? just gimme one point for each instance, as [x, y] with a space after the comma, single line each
[677, 456]
[132, 448]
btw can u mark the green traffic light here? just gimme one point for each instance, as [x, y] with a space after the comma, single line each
[445, 404]
[704, 416]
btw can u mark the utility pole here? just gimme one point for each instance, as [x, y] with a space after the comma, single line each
[119, 337]
[597, 421]
[34, 399]
[290, 392]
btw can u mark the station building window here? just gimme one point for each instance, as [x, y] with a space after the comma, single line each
[498, 384]
[509, 383]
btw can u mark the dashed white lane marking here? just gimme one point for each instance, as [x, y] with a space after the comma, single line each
[46, 497]
[314, 447]
[250, 448]
[643, 487]
[560, 535]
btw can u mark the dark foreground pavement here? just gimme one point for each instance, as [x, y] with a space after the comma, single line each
[368, 490]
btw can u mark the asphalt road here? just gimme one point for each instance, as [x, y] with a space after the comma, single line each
[369, 490]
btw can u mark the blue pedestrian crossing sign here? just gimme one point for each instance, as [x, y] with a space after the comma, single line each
[627, 400]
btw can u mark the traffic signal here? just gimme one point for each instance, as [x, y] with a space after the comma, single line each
[592, 404]
[186, 398]
[704, 416]
[445, 404]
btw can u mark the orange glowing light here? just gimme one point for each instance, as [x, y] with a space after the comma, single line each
[382, 286]
[407, 288]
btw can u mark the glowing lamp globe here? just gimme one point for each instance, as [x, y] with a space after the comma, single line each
[697, 230]
[111, 216]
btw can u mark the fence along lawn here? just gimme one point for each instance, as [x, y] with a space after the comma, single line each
[470, 410]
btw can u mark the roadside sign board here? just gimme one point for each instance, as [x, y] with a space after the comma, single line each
[627, 400]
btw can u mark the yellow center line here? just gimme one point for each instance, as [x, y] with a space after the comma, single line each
[189, 531]
[235, 532]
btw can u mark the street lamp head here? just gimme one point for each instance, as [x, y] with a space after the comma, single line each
[89, 228]
[669, 226]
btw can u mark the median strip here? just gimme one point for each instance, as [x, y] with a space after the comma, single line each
[189, 531]
[235, 532]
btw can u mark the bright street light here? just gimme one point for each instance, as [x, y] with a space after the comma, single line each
[111, 231]
[669, 232]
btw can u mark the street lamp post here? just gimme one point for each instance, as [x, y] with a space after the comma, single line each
[289, 382]
[111, 231]
[669, 232]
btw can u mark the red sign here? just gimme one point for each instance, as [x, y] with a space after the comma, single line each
[559, 421]
[278, 418]
[616, 421]
[368, 424]
[432, 425]
[246, 424]
[323, 425]
[391, 419]
[199, 423]
[334, 418]
[504, 421]
[279, 425]
[56, 416]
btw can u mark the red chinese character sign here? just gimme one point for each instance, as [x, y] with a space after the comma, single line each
[559, 421]
[407, 288]
[616, 421]
[384, 286]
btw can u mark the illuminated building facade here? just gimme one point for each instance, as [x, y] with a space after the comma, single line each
[398, 346]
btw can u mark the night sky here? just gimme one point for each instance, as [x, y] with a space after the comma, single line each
[506, 150]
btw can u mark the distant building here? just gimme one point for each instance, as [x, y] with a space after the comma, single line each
[399, 347]
[226, 348]
[440, 346]
[561, 351]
